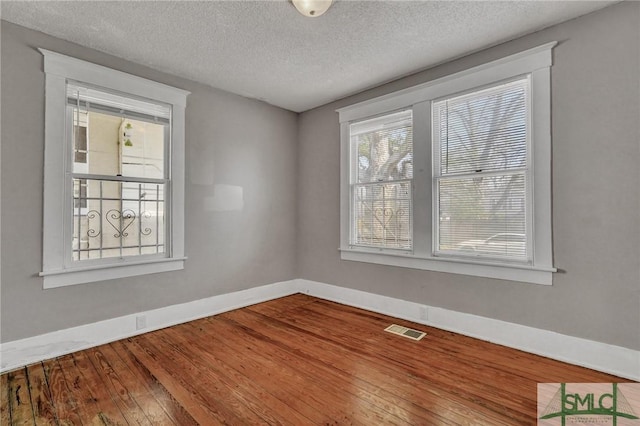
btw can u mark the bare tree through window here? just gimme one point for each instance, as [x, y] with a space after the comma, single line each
[383, 171]
[482, 140]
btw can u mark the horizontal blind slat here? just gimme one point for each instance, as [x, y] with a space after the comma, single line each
[90, 97]
[482, 141]
[484, 130]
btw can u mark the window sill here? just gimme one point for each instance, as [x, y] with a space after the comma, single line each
[87, 274]
[511, 272]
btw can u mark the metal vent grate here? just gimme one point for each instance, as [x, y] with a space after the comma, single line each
[405, 332]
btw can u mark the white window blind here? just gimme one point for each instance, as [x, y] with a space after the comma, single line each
[83, 96]
[481, 144]
[381, 181]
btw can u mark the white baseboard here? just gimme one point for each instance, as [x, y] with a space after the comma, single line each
[19, 353]
[616, 360]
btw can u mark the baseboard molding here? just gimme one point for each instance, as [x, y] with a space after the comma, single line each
[616, 360]
[19, 353]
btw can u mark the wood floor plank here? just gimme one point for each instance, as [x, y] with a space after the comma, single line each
[116, 385]
[278, 306]
[271, 409]
[442, 380]
[508, 399]
[171, 407]
[95, 405]
[480, 382]
[205, 357]
[177, 383]
[19, 398]
[43, 411]
[369, 408]
[5, 414]
[215, 387]
[209, 395]
[271, 380]
[443, 400]
[68, 411]
[319, 373]
[297, 360]
[321, 396]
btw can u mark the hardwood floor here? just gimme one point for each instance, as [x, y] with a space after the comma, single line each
[296, 360]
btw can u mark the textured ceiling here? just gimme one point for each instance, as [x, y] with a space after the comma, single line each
[267, 50]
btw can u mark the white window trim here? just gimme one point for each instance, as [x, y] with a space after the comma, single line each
[537, 63]
[58, 68]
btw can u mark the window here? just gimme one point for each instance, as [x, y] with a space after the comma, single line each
[381, 183]
[119, 174]
[480, 145]
[114, 174]
[454, 175]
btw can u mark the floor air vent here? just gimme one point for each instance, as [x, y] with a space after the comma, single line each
[405, 332]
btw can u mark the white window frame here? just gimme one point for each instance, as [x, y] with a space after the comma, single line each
[57, 271]
[536, 63]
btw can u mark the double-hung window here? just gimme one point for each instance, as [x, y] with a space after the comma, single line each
[382, 152]
[480, 174]
[454, 175]
[114, 174]
[119, 174]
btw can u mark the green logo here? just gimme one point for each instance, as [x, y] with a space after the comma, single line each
[583, 402]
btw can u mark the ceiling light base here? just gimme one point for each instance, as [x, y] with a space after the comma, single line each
[312, 8]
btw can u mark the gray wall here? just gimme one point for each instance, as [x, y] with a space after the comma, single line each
[229, 140]
[596, 187]
[289, 169]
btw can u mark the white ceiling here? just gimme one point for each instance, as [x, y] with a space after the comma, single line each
[267, 50]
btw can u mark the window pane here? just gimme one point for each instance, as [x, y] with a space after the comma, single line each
[111, 145]
[483, 131]
[383, 148]
[382, 215]
[483, 216]
[80, 193]
[115, 219]
[80, 140]
[143, 149]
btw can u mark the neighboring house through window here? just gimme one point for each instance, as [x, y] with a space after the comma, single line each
[114, 174]
[454, 175]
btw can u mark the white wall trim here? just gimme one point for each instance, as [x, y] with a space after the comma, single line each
[58, 268]
[65, 277]
[19, 353]
[616, 360]
[77, 69]
[501, 69]
[502, 271]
